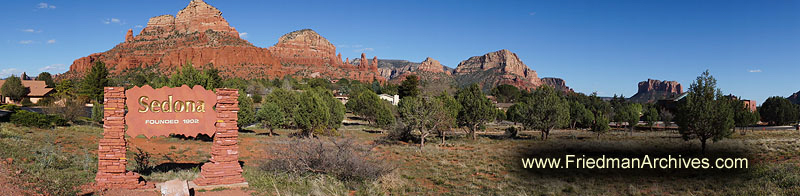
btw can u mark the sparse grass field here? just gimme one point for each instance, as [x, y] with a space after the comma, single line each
[63, 161]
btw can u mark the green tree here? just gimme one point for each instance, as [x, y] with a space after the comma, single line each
[189, 76]
[600, 125]
[506, 93]
[287, 100]
[97, 112]
[514, 113]
[47, 78]
[424, 114]
[409, 87]
[65, 89]
[313, 113]
[651, 116]
[579, 115]
[13, 89]
[629, 113]
[742, 116]
[372, 108]
[478, 110]
[246, 111]
[95, 81]
[703, 114]
[779, 111]
[452, 106]
[545, 110]
[271, 116]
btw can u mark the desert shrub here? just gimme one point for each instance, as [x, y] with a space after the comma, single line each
[256, 98]
[511, 132]
[97, 112]
[45, 101]
[33, 119]
[141, 161]
[9, 107]
[26, 102]
[343, 159]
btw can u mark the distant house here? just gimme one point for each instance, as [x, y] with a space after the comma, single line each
[38, 91]
[394, 99]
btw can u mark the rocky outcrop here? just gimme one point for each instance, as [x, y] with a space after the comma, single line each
[428, 70]
[795, 98]
[431, 65]
[305, 51]
[557, 83]
[199, 35]
[129, 35]
[495, 68]
[305, 47]
[653, 90]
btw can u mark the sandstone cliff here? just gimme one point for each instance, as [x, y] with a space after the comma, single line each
[428, 70]
[199, 34]
[653, 90]
[305, 51]
[557, 83]
[495, 68]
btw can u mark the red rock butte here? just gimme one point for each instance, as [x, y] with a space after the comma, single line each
[199, 35]
[505, 66]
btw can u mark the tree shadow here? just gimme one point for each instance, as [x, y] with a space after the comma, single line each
[267, 134]
[166, 167]
[199, 136]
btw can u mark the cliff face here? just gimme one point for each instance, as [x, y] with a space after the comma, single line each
[795, 98]
[200, 35]
[495, 68]
[557, 83]
[653, 90]
[306, 51]
[428, 70]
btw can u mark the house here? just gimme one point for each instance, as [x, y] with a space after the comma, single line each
[394, 99]
[38, 91]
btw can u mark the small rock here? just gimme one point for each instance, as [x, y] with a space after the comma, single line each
[175, 187]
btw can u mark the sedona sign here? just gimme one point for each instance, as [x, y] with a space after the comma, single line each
[156, 112]
[179, 110]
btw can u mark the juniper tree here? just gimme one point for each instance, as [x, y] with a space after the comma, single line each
[478, 110]
[704, 114]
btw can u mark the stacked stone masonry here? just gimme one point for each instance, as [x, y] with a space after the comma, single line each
[224, 167]
[111, 171]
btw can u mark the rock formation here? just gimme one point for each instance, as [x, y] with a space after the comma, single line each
[495, 68]
[199, 35]
[129, 36]
[557, 83]
[428, 70]
[653, 90]
[307, 52]
[795, 98]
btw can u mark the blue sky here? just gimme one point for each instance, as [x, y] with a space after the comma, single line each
[752, 47]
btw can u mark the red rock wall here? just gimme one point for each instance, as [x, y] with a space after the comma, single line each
[660, 86]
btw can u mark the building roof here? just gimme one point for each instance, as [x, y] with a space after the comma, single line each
[38, 88]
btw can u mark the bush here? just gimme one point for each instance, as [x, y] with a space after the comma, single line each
[256, 98]
[26, 102]
[97, 112]
[343, 159]
[9, 107]
[33, 119]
